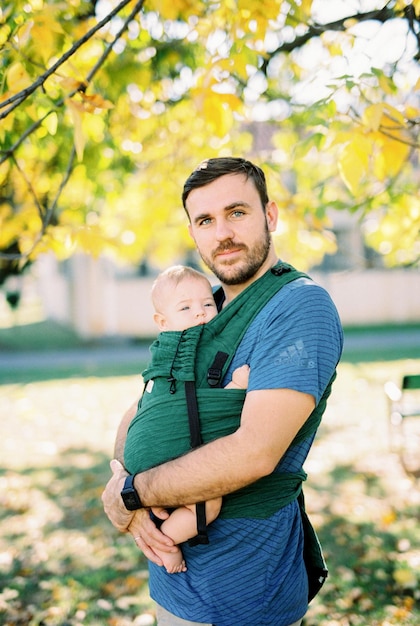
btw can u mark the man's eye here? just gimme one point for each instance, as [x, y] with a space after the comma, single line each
[237, 213]
[205, 222]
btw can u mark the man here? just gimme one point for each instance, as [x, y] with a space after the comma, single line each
[252, 571]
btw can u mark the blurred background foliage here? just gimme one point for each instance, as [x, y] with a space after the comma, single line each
[106, 107]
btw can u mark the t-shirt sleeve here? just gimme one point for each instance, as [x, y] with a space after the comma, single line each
[296, 341]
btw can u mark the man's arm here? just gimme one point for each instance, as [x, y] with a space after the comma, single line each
[270, 420]
[122, 518]
[122, 433]
[133, 522]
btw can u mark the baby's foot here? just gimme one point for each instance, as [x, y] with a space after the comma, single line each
[174, 562]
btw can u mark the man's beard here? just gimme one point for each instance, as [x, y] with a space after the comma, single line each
[253, 261]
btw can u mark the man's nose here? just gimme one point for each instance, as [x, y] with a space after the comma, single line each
[224, 230]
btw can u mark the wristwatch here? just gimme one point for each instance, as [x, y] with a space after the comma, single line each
[129, 494]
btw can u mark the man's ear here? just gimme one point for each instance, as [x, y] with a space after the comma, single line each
[272, 214]
[160, 321]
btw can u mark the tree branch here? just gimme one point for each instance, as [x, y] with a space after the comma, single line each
[414, 26]
[49, 212]
[137, 8]
[7, 153]
[19, 97]
[316, 29]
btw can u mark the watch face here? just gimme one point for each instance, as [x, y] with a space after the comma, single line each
[130, 496]
[131, 500]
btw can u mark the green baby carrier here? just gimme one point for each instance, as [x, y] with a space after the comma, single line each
[184, 405]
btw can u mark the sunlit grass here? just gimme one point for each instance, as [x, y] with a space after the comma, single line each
[61, 562]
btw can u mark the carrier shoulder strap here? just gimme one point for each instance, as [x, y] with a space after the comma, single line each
[223, 333]
[215, 371]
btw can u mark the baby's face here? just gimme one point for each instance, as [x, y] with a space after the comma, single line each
[189, 303]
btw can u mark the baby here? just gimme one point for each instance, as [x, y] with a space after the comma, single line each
[182, 298]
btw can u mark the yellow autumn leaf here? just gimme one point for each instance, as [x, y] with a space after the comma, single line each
[393, 117]
[383, 116]
[172, 9]
[232, 101]
[353, 163]
[31, 220]
[401, 5]
[90, 103]
[216, 115]
[90, 239]
[390, 157]
[58, 240]
[389, 518]
[45, 30]
[302, 11]
[412, 112]
[51, 123]
[259, 9]
[396, 236]
[405, 577]
[5, 31]
[72, 84]
[386, 83]
[76, 113]
[17, 78]
[236, 63]
[4, 171]
[372, 116]
[350, 22]
[335, 48]
[23, 33]
[9, 230]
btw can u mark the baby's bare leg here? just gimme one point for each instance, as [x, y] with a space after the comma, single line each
[180, 526]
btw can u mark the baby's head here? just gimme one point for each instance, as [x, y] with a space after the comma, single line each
[182, 297]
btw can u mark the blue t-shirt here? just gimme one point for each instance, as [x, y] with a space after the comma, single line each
[252, 571]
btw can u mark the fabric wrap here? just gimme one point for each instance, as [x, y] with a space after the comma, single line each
[160, 429]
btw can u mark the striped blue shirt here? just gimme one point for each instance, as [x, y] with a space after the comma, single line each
[252, 571]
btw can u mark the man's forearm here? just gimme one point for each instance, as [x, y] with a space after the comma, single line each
[122, 433]
[269, 422]
[210, 471]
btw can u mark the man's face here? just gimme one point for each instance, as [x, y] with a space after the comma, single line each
[231, 229]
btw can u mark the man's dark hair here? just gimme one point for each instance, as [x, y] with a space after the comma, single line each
[211, 169]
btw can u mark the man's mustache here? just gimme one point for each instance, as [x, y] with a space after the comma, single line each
[228, 246]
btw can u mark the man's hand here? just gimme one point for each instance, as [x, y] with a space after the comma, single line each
[112, 501]
[149, 538]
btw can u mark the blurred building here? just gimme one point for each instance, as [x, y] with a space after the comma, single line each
[97, 298]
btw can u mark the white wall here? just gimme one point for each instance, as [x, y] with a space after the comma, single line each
[374, 296]
[97, 302]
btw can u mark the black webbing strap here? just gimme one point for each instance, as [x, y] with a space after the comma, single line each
[195, 440]
[192, 408]
[214, 373]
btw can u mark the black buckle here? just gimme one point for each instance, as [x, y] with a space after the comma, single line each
[280, 269]
[213, 376]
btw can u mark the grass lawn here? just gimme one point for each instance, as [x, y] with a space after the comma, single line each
[63, 564]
